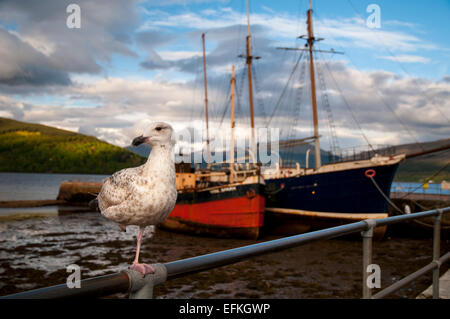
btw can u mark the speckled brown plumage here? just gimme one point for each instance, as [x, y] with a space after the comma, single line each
[143, 195]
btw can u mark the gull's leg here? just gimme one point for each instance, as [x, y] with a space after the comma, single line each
[138, 248]
[142, 268]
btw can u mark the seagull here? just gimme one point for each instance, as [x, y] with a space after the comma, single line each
[144, 195]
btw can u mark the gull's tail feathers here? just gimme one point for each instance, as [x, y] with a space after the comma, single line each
[93, 204]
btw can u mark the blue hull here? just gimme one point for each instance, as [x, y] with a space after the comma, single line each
[347, 191]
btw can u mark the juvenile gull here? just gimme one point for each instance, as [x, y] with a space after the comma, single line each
[144, 195]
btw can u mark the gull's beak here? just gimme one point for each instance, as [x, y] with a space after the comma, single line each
[139, 140]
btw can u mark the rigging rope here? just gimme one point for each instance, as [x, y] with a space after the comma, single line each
[334, 143]
[384, 195]
[398, 62]
[259, 100]
[194, 93]
[239, 93]
[348, 107]
[398, 209]
[405, 127]
[290, 136]
[225, 108]
[285, 88]
[427, 179]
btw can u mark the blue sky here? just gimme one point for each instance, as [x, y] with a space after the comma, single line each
[424, 22]
[136, 61]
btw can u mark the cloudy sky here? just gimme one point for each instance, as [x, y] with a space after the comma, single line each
[136, 61]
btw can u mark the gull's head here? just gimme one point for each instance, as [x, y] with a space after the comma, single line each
[158, 133]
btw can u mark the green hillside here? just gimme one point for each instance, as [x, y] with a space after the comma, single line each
[417, 170]
[434, 166]
[26, 147]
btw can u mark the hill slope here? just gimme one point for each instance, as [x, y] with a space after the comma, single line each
[424, 167]
[26, 147]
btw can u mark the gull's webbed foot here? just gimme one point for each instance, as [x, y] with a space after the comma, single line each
[144, 269]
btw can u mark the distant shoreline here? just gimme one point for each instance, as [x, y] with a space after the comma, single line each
[31, 203]
[408, 179]
[64, 173]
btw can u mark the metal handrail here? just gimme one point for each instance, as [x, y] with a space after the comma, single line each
[93, 287]
[418, 273]
[124, 281]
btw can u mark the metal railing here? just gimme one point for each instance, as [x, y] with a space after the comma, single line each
[404, 190]
[142, 286]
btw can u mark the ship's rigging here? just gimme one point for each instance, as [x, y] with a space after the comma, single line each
[309, 62]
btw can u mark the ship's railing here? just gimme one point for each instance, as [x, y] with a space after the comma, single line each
[142, 287]
[357, 153]
[360, 153]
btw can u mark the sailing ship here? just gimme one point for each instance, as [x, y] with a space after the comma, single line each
[295, 199]
[220, 209]
[302, 199]
[238, 202]
[224, 202]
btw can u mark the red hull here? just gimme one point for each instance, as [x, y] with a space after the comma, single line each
[241, 216]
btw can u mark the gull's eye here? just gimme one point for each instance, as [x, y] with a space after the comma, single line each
[158, 128]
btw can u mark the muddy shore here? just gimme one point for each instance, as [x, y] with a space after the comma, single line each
[35, 252]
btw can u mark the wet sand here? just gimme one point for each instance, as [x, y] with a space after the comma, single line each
[35, 252]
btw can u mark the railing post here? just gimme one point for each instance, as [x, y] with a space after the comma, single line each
[141, 287]
[367, 236]
[436, 252]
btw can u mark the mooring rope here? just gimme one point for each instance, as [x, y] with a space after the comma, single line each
[398, 209]
[384, 195]
[426, 180]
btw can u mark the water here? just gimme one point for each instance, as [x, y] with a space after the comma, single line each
[31, 186]
[418, 188]
[34, 186]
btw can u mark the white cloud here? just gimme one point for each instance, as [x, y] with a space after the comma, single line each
[126, 106]
[285, 27]
[120, 107]
[178, 55]
[6, 114]
[406, 58]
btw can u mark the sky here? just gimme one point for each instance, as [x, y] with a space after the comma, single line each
[134, 62]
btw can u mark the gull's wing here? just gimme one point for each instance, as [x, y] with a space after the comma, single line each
[118, 187]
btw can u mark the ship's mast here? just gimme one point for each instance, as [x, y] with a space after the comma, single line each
[311, 41]
[233, 83]
[206, 102]
[249, 59]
